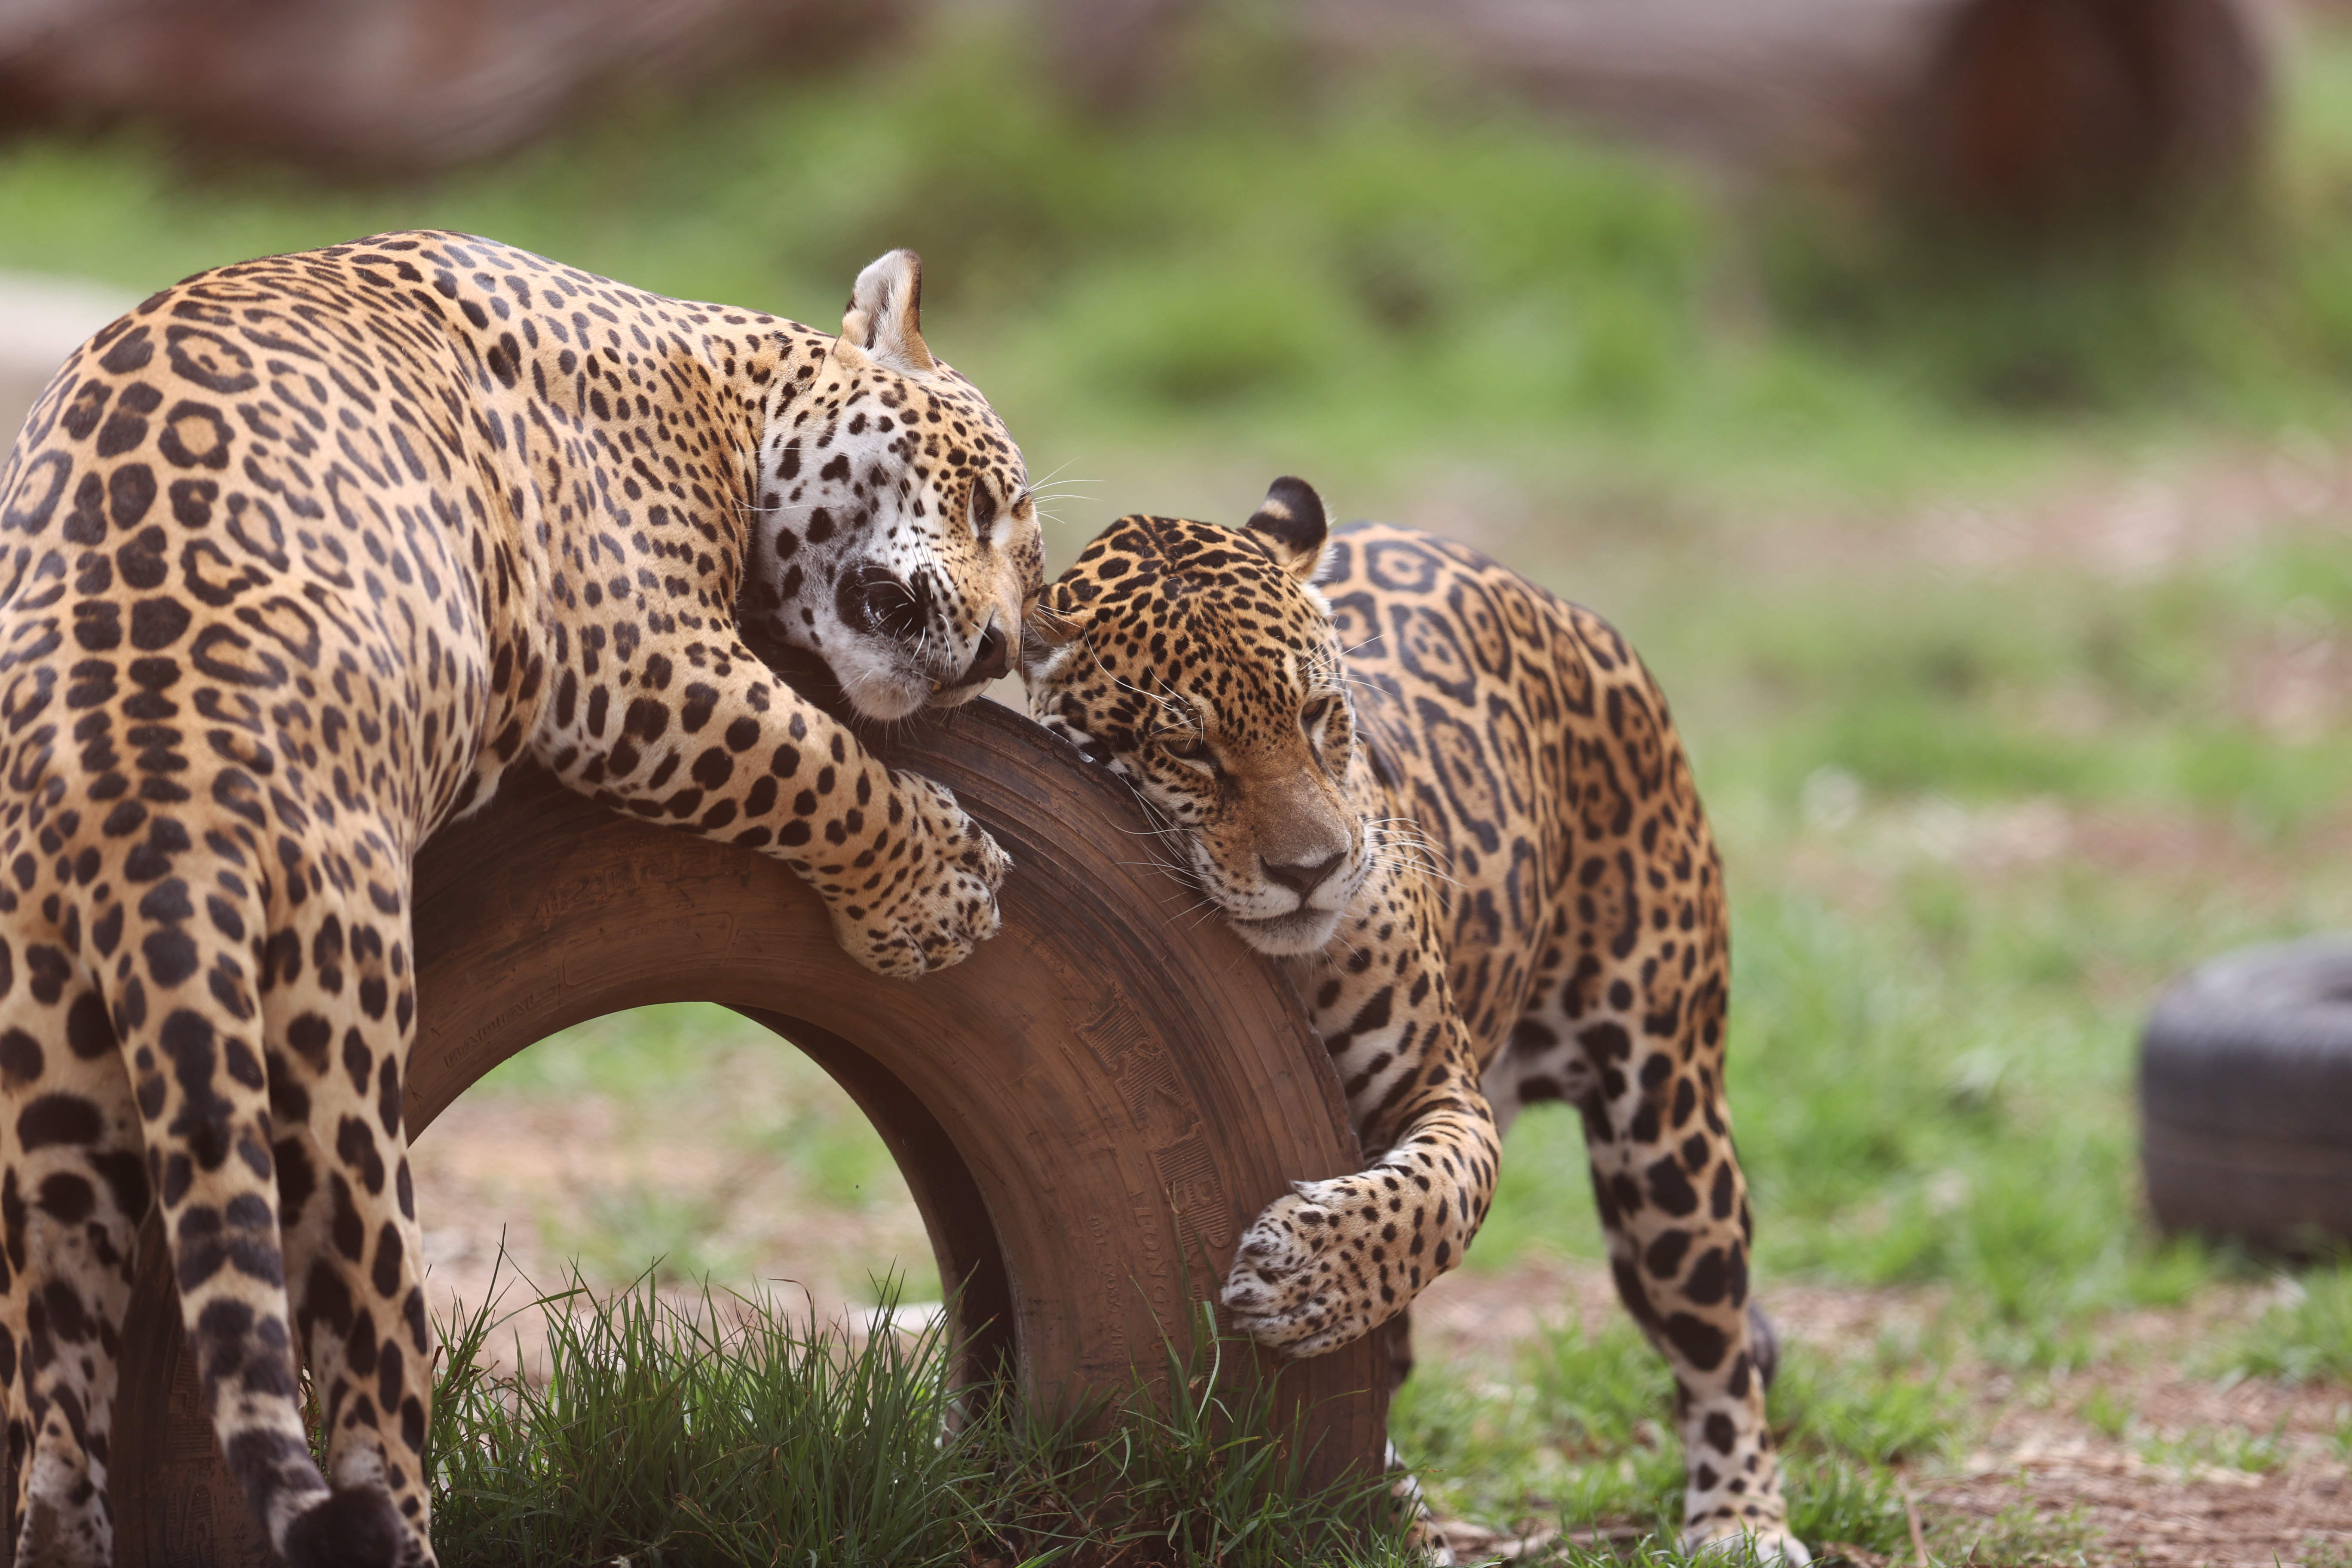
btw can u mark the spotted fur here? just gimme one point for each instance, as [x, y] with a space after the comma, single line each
[1455, 807]
[295, 560]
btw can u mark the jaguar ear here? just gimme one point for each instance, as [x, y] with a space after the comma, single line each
[1291, 526]
[884, 318]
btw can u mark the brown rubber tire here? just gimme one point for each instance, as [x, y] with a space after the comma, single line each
[1089, 1109]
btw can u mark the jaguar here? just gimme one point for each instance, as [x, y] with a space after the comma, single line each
[297, 558]
[1456, 809]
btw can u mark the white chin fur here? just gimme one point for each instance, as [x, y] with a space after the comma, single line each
[879, 694]
[1284, 936]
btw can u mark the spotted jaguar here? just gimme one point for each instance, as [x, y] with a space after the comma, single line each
[296, 559]
[1456, 810]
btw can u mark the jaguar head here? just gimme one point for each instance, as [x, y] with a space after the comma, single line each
[895, 537]
[1199, 664]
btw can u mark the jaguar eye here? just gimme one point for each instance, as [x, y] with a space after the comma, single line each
[983, 508]
[1325, 720]
[1186, 746]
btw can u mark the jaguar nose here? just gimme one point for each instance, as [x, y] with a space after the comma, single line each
[1302, 877]
[992, 660]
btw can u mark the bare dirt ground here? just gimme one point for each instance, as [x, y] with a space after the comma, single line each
[548, 1178]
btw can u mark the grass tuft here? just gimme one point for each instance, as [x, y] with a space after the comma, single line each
[1847, 1500]
[1208, 1476]
[1580, 1435]
[712, 1430]
[2202, 1449]
[1853, 1410]
[2022, 1532]
[729, 1430]
[2307, 1340]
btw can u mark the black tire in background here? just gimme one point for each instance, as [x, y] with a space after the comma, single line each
[2246, 1098]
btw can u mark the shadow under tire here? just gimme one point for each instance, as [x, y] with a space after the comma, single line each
[1089, 1110]
[2246, 1098]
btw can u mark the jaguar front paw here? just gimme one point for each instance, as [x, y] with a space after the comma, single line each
[1305, 1279]
[948, 905]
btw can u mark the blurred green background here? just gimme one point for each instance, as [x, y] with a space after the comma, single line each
[2002, 588]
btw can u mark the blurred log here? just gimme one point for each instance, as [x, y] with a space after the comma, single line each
[1110, 53]
[2024, 113]
[2035, 109]
[387, 87]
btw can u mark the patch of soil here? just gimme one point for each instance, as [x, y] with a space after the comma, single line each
[2198, 1471]
[540, 1175]
[2136, 1457]
[1860, 856]
[2138, 522]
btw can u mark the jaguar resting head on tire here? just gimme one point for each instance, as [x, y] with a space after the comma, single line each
[1457, 809]
[295, 558]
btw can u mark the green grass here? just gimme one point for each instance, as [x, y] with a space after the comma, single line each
[1576, 1433]
[2022, 1532]
[1353, 277]
[2220, 1448]
[2113, 1417]
[2307, 1340]
[1910, 1115]
[690, 1438]
[2052, 682]
[1934, 1032]
[727, 1431]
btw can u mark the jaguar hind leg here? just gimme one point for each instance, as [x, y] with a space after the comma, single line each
[1422, 1535]
[1673, 1209]
[193, 1023]
[73, 1189]
[1411, 1508]
[347, 1204]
